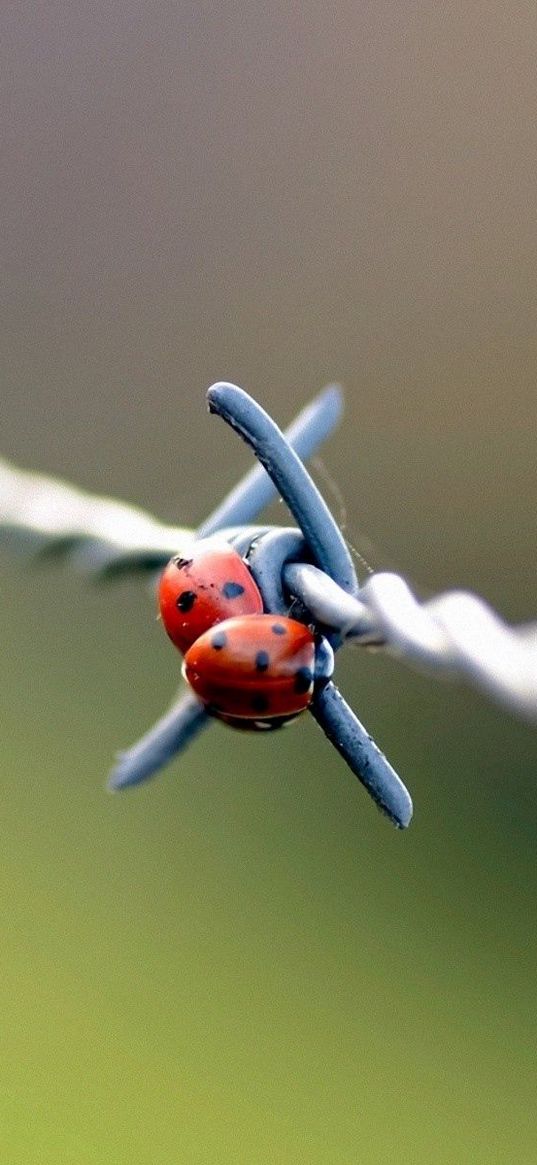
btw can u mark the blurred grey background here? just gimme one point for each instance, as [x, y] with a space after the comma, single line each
[242, 962]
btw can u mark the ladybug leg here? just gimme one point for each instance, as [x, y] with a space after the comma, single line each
[362, 755]
[291, 479]
[168, 736]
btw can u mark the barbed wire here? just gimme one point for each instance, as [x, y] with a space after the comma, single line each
[453, 634]
[39, 513]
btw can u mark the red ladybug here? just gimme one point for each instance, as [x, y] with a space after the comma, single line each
[212, 584]
[249, 669]
[257, 668]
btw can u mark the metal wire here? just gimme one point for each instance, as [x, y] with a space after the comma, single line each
[40, 513]
[455, 633]
[100, 535]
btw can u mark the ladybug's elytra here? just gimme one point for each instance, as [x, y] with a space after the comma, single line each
[250, 669]
[253, 666]
[212, 584]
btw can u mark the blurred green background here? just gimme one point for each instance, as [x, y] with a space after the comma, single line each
[243, 962]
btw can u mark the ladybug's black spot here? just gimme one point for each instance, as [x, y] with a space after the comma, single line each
[185, 601]
[278, 629]
[303, 680]
[232, 590]
[181, 563]
[218, 640]
[262, 660]
[260, 702]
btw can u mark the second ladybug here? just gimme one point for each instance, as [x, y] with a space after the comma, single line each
[254, 667]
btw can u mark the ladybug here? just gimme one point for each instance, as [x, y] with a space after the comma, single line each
[249, 669]
[197, 592]
[257, 671]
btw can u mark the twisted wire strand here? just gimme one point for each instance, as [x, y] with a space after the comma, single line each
[98, 534]
[455, 633]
